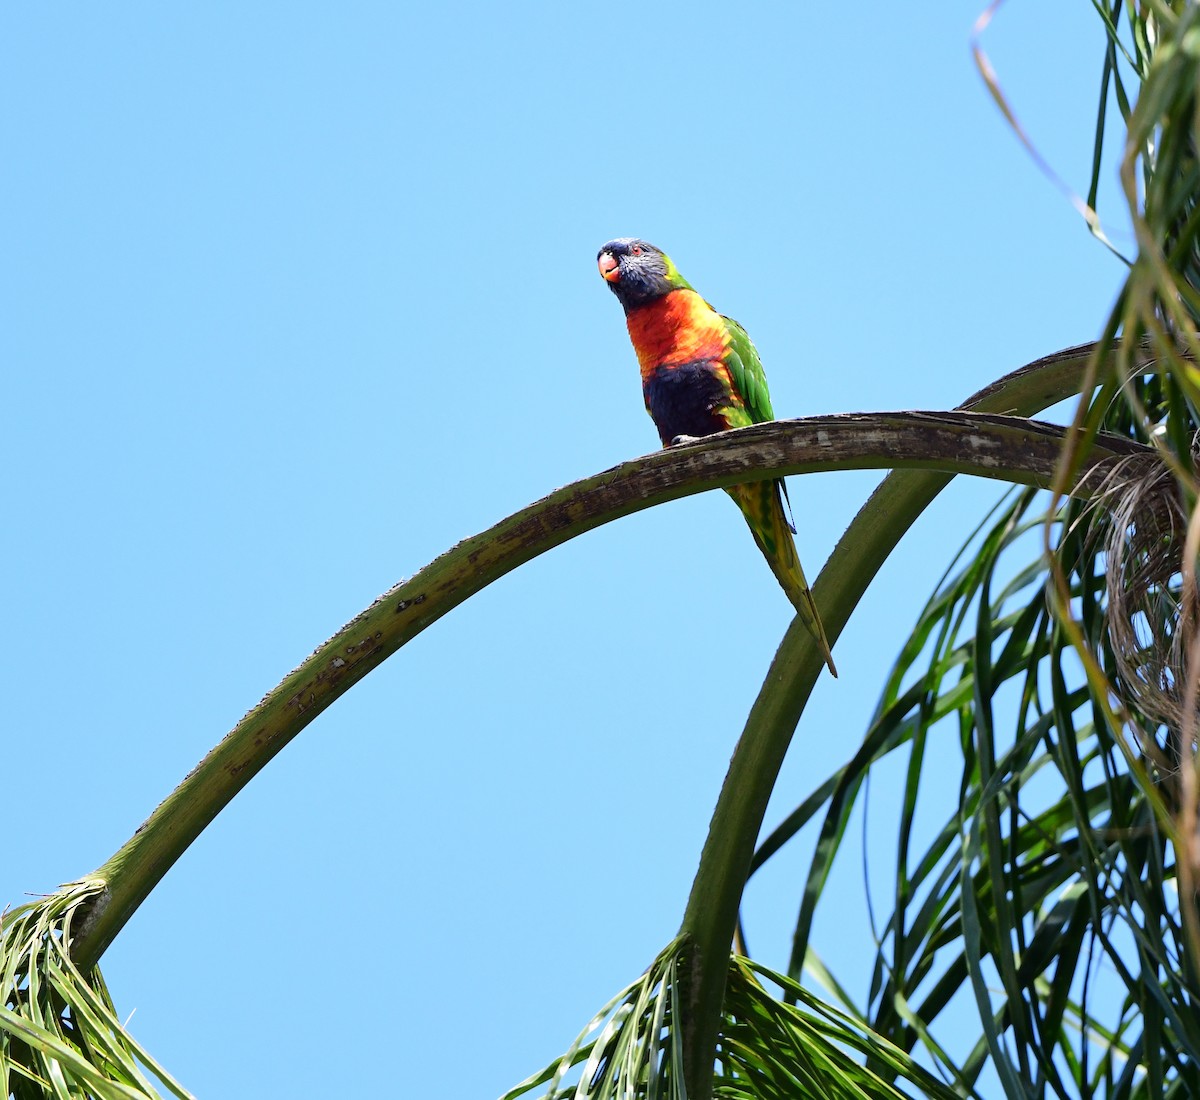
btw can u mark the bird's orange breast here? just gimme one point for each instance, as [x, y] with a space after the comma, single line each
[680, 327]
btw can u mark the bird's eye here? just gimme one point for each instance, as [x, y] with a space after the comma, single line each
[636, 250]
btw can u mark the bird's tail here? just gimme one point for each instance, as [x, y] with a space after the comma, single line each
[762, 505]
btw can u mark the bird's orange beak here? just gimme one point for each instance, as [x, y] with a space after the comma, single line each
[610, 270]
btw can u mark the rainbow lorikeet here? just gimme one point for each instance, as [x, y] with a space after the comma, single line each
[700, 375]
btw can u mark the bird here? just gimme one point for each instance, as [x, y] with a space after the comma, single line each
[701, 374]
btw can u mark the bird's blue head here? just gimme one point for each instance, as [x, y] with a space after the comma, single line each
[637, 272]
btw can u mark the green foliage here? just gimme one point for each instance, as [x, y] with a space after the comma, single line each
[632, 1047]
[798, 1046]
[59, 1033]
[769, 1048]
[1044, 867]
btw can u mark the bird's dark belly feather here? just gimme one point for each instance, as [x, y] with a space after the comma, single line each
[685, 399]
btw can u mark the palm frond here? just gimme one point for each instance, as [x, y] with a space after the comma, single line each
[59, 1033]
[1048, 892]
[780, 1048]
[768, 1049]
[632, 1048]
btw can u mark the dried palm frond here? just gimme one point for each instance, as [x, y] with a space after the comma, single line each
[1151, 617]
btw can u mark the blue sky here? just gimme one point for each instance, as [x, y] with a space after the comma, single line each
[297, 296]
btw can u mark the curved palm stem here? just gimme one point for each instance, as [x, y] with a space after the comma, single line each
[1014, 450]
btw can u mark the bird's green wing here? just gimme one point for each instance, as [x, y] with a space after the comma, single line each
[750, 382]
[746, 370]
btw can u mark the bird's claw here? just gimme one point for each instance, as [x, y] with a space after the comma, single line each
[684, 440]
